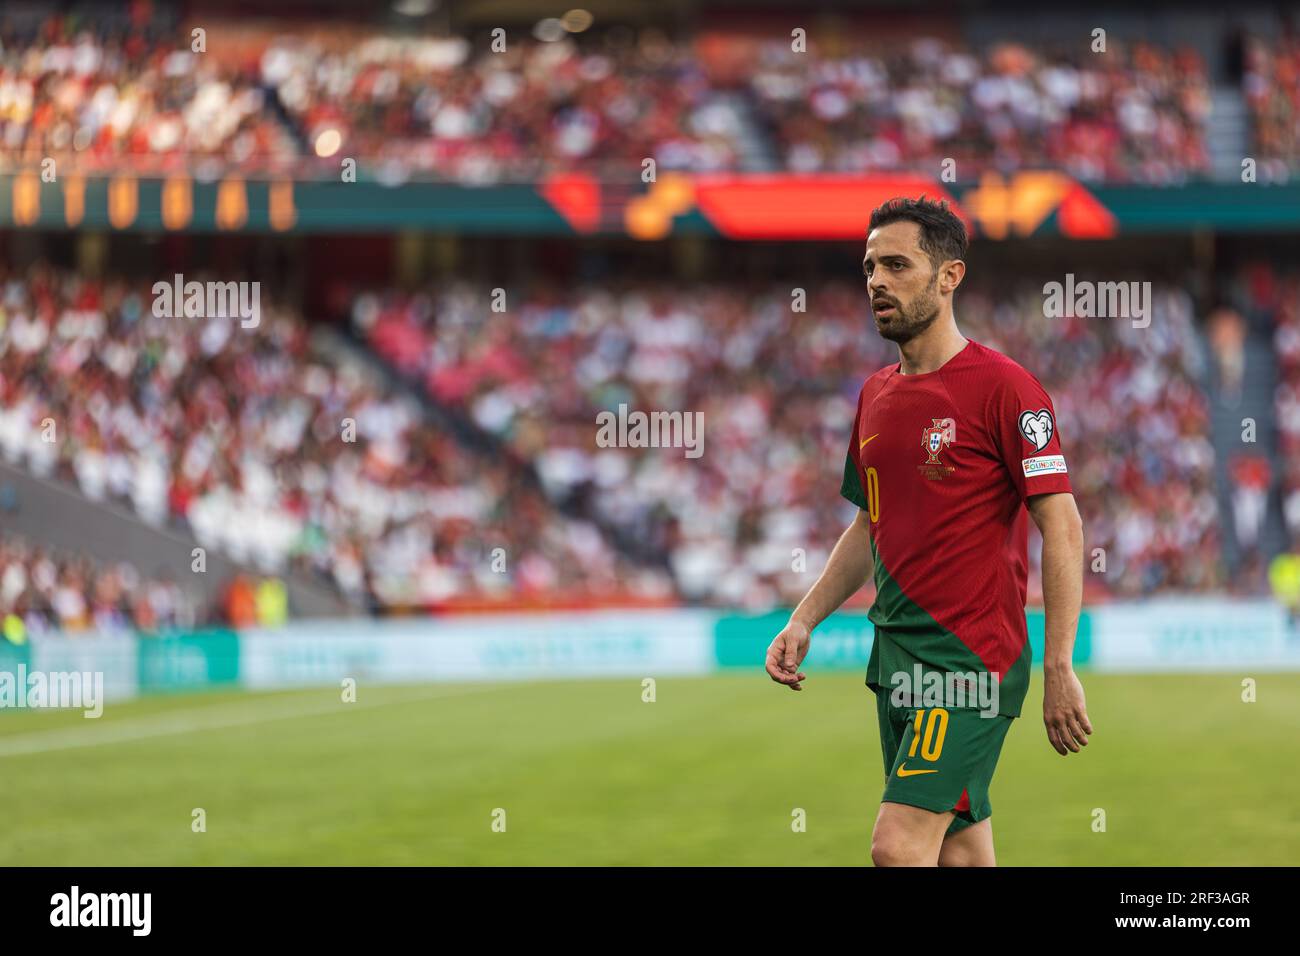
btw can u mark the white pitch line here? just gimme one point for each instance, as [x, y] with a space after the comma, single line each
[193, 719]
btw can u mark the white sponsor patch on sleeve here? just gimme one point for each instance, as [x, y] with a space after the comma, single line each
[1045, 465]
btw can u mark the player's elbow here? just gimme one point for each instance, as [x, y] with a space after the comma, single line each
[1057, 517]
[1066, 530]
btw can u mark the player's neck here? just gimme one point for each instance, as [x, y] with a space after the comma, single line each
[932, 349]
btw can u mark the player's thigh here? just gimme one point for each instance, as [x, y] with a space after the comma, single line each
[945, 761]
[907, 836]
[972, 846]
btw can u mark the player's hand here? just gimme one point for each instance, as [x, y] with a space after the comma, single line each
[1064, 713]
[786, 653]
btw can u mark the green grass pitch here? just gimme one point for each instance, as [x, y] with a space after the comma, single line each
[587, 773]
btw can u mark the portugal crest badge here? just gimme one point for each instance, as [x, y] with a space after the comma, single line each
[934, 439]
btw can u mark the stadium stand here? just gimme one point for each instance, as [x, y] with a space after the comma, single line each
[284, 99]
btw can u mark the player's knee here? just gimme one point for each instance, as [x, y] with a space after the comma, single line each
[889, 849]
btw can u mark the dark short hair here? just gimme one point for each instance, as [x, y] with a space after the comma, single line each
[943, 234]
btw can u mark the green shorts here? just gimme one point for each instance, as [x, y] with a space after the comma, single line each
[940, 759]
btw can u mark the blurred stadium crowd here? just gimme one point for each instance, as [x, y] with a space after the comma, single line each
[246, 436]
[1280, 299]
[240, 434]
[464, 471]
[42, 592]
[1272, 90]
[282, 98]
[777, 389]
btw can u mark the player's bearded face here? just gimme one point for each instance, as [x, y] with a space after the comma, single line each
[910, 317]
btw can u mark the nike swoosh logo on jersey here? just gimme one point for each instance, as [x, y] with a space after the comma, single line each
[864, 443]
[904, 772]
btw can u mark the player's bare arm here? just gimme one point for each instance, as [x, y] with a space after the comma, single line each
[1065, 714]
[846, 570]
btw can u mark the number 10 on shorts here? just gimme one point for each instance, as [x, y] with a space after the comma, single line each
[935, 723]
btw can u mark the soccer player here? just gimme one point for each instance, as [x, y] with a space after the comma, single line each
[949, 448]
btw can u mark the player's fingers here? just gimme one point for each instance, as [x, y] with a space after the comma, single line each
[1078, 733]
[797, 682]
[774, 670]
[1063, 734]
[1084, 722]
[790, 662]
[1055, 740]
[777, 671]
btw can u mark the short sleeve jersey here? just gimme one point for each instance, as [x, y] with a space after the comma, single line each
[943, 463]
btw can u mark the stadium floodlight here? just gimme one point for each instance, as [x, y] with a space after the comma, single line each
[414, 8]
[577, 20]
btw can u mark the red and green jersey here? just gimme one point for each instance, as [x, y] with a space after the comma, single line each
[943, 464]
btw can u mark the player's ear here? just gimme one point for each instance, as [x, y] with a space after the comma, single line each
[950, 275]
